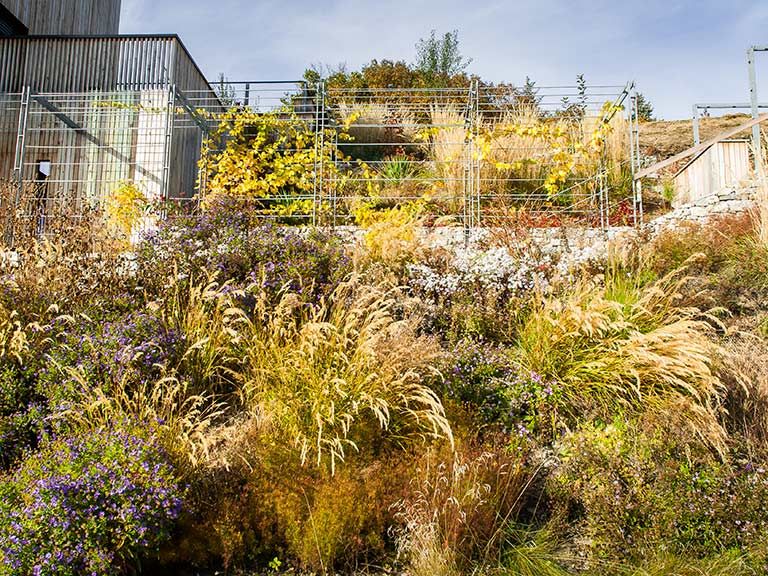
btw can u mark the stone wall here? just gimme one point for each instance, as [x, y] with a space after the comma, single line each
[724, 203]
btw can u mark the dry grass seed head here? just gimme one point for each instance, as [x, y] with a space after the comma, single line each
[612, 357]
[318, 373]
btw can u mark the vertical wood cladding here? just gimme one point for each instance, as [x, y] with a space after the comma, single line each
[67, 17]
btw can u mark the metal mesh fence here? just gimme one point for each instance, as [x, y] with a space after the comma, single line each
[472, 156]
[72, 151]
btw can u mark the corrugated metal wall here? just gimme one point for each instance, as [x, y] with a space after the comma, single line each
[67, 17]
[723, 165]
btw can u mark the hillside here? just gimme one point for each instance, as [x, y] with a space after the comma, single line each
[665, 138]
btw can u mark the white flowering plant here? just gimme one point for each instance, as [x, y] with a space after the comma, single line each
[485, 272]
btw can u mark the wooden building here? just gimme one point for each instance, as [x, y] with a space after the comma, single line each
[59, 17]
[84, 110]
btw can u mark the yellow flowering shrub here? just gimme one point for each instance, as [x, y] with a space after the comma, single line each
[125, 206]
[391, 234]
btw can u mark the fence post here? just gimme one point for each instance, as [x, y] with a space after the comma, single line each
[695, 120]
[756, 145]
[634, 151]
[18, 165]
[476, 157]
[168, 144]
[317, 168]
[471, 173]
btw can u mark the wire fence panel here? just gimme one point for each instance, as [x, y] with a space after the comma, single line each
[79, 147]
[472, 156]
[397, 146]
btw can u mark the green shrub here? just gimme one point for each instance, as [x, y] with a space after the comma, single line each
[674, 246]
[747, 269]
[307, 517]
[481, 380]
[645, 489]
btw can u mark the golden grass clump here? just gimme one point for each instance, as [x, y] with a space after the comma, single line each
[326, 379]
[643, 354]
[205, 314]
[377, 122]
[74, 262]
[745, 369]
[447, 148]
[185, 421]
[13, 338]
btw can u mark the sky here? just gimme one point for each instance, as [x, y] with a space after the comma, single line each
[678, 52]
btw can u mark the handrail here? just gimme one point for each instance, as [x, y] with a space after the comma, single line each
[700, 148]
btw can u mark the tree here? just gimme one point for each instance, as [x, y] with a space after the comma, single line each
[225, 91]
[438, 59]
[528, 95]
[644, 108]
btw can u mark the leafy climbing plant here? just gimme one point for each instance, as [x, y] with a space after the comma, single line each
[268, 157]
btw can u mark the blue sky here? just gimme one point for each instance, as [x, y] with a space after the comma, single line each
[679, 52]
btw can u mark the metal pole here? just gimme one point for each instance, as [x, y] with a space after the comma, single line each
[754, 105]
[319, 198]
[315, 168]
[18, 164]
[467, 172]
[695, 119]
[477, 119]
[634, 152]
[639, 189]
[202, 172]
[169, 122]
[334, 191]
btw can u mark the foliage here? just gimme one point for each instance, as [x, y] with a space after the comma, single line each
[607, 356]
[205, 317]
[474, 375]
[569, 152]
[643, 490]
[80, 268]
[22, 409]
[477, 292]
[439, 58]
[104, 351]
[229, 239]
[269, 157]
[500, 411]
[644, 108]
[183, 421]
[483, 381]
[340, 518]
[458, 508]
[494, 271]
[391, 235]
[125, 207]
[87, 503]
